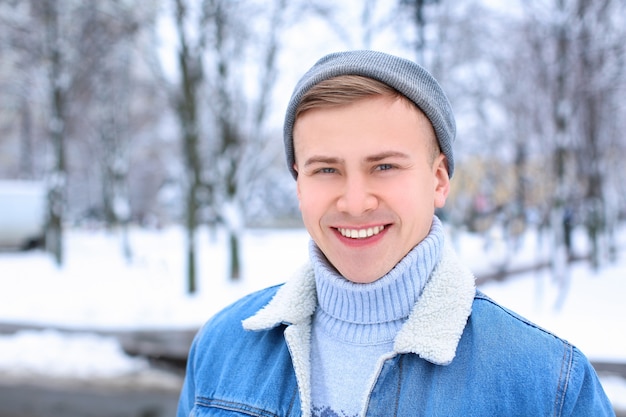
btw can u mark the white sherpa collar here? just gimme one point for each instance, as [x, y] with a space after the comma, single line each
[293, 303]
[435, 325]
[433, 329]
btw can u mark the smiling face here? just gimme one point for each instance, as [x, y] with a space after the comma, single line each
[368, 183]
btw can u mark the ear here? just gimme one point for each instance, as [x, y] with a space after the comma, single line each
[441, 180]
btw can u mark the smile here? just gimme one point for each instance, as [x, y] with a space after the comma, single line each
[360, 233]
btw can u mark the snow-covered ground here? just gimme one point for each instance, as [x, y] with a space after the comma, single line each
[98, 289]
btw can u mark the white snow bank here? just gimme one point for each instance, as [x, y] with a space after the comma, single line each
[51, 353]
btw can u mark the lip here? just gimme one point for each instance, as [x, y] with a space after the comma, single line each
[375, 232]
[361, 232]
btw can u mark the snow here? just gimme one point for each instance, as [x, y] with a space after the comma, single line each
[99, 290]
[61, 355]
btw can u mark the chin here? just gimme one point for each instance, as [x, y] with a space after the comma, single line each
[360, 279]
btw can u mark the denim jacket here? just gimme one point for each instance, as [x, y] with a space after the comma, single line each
[458, 354]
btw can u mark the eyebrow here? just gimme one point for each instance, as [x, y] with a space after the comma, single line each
[388, 154]
[320, 159]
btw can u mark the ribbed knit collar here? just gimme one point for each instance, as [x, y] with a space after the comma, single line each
[373, 313]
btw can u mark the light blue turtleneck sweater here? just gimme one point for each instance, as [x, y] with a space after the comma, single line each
[355, 324]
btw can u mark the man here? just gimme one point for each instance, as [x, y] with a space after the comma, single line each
[384, 321]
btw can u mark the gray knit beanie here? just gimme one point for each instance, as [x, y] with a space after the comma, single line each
[407, 77]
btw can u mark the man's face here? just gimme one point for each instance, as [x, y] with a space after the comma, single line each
[367, 185]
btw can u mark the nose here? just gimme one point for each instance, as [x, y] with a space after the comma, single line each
[357, 197]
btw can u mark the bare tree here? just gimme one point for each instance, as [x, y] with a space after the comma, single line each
[227, 38]
[598, 75]
[572, 63]
[581, 56]
[98, 82]
[418, 10]
[187, 105]
[239, 118]
[19, 53]
[58, 91]
[110, 43]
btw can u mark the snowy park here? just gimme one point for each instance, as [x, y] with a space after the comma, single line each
[98, 290]
[138, 123]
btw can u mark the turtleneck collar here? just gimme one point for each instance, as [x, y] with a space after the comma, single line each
[373, 313]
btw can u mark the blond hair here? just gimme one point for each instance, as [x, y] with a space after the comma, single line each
[347, 89]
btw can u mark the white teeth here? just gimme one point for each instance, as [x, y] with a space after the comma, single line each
[361, 233]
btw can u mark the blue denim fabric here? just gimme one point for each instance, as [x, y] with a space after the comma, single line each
[233, 372]
[504, 366]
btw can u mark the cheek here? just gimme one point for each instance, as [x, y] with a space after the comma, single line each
[316, 201]
[306, 198]
[406, 190]
[411, 197]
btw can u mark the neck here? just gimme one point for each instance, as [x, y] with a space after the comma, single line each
[373, 313]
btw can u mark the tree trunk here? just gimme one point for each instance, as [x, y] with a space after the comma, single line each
[57, 178]
[591, 105]
[191, 260]
[561, 156]
[235, 263]
[190, 66]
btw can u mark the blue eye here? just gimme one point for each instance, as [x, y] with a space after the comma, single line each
[326, 170]
[384, 167]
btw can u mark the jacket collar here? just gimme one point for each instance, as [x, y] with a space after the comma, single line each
[294, 303]
[432, 331]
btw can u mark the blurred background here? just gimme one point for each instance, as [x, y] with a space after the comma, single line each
[143, 184]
